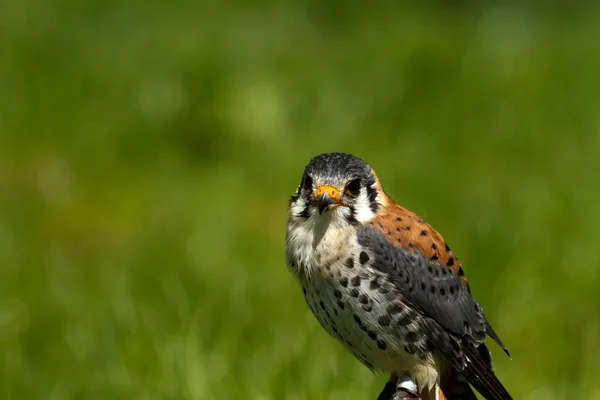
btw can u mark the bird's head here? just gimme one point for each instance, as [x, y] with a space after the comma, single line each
[338, 186]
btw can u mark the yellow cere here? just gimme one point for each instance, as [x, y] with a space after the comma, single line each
[331, 191]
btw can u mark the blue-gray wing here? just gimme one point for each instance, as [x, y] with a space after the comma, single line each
[453, 320]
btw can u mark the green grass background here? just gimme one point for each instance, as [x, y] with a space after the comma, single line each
[148, 150]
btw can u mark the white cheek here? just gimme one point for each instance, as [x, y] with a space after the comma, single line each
[362, 207]
[298, 207]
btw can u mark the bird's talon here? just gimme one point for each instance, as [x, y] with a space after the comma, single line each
[405, 389]
[403, 394]
[406, 383]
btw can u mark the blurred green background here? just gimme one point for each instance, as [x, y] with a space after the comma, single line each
[148, 150]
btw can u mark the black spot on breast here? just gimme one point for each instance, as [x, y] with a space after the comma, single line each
[357, 319]
[461, 272]
[389, 232]
[381, 225]
[443, 291]
[423, 233]
[350, 262]
[447, 248]
[354, 292]
[322, 304]
[384, 320]
[372, 335]
[341, 304]
[355, 281]
[344, 281]
[451, 289]
[363, 298]
[409, 349]
[374, 285]
[429, 346]
[423, 286]
[395, 308]
[367, 307]
[381, 344]
[328, 267]
[411, 337]
[430, 269]
[397, 229]
[432, 289]
[333, 328]
[304, 290]
[434, 246]
[450, 262]
[364, 257]
[408, 227]
[337, 293]
[410, 244]
[434, 257]
[399, 240]
[398, 219]
[405, 318]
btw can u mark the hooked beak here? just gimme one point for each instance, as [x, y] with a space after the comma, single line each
[327, 198]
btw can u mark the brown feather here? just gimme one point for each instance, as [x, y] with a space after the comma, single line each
[404, 229]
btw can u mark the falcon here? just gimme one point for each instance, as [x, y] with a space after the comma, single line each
[386, 285]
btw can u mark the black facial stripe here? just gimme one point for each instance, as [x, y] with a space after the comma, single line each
[306, 181]
[351, 217]
[294, 198]
[305, 214]
[372, 196]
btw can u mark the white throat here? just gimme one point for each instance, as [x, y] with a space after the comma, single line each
[317, 240]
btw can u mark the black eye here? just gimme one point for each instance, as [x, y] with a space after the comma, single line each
[307, 182]
[353, 188]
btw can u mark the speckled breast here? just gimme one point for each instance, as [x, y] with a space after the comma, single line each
[359, 307]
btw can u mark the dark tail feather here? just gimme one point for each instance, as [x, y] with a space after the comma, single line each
[478, 373]
[458, 389]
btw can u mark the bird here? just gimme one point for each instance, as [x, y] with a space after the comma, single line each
[385, 284]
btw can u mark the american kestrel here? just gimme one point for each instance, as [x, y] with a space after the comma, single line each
[386, 285]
